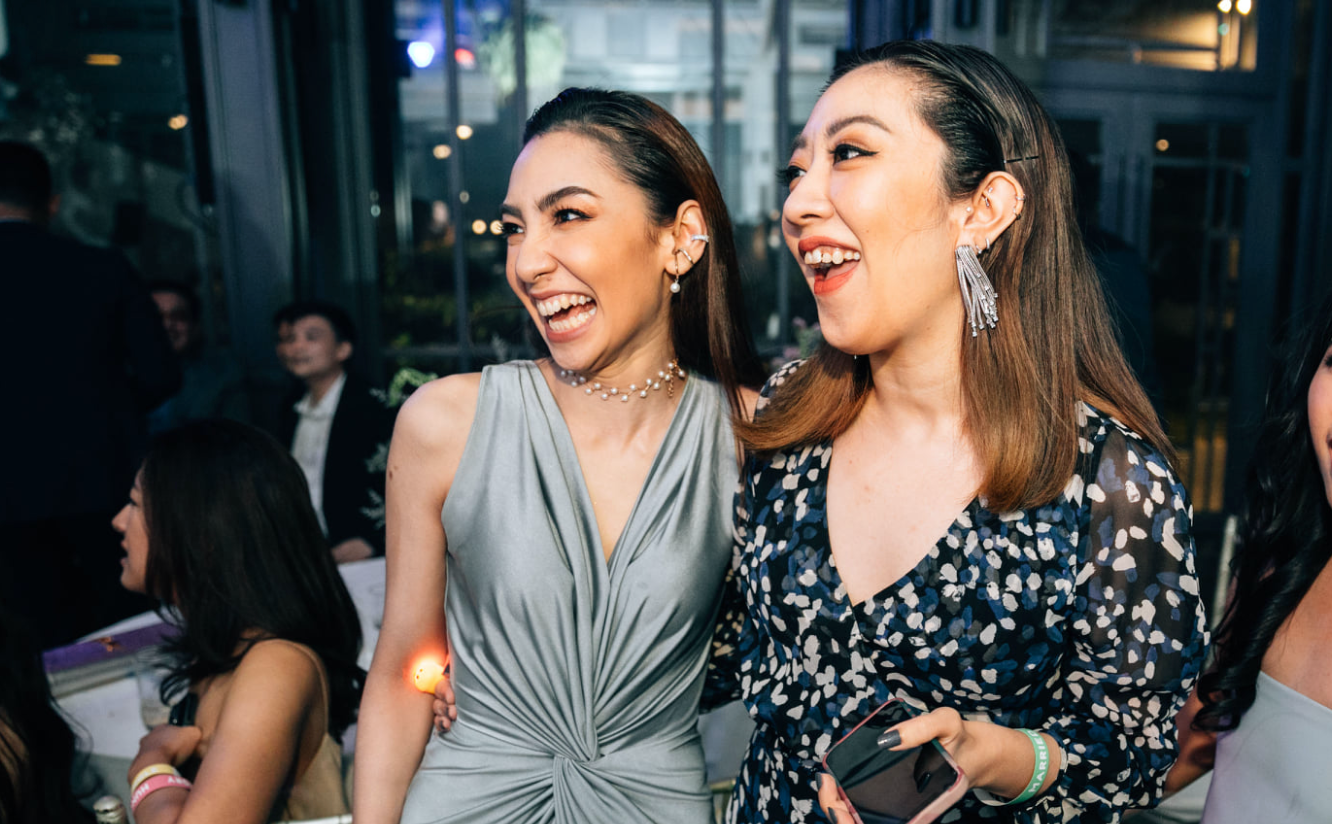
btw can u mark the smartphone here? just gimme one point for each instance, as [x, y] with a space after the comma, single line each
[883, 786]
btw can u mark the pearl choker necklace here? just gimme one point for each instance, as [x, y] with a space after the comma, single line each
[666, 376]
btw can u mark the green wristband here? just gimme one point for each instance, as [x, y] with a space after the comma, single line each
[1042, 767]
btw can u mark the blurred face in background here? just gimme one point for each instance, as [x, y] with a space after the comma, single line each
[181, 328]
[309, 348]
[132, 526]
[1320, 420]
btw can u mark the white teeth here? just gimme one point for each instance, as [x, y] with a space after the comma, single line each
[829, 256]
[550, 306]
[574, 321]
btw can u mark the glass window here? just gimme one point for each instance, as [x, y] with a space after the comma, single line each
[103, 94]
[1197, 215]
[662, 50]
[1189, 34]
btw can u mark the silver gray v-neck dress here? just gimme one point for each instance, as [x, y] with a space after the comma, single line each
[577, 679]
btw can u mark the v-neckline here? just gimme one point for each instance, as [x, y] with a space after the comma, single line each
[565, 442]
[826, 521]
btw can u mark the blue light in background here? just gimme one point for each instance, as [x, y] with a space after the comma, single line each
[421, 53]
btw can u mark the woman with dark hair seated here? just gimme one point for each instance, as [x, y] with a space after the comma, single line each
[1262, 715]
[219, 526]
[37, 749]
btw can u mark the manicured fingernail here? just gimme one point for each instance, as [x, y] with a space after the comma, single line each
[890, 739]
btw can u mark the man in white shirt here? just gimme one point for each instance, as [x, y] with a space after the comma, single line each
[336, 429]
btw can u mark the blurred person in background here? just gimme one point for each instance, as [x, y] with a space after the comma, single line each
[335, 427]
[38, 752]
[1261, 717]
[212, 384]
[219, 527]
[88, 359]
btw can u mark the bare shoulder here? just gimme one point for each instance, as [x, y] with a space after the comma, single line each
[437, 416]
[277, 660]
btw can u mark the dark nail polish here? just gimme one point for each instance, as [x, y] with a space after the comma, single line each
[890, 739]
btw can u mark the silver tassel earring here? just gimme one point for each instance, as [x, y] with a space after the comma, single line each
[978, 294]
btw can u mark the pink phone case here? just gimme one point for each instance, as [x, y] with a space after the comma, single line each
[936, 808]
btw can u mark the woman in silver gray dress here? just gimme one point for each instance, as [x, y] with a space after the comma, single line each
[586, 499]
[1261, 718]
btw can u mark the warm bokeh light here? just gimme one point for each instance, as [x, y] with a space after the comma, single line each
[1162, 145]
[1243, 6]
[465, 58]
[178, 122]
[478, 227]
[102, 60]
[426, 674]
[442, 151]
[464, 132]
[496, 227]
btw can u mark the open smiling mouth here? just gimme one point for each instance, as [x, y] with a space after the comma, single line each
[830, 265]
[565, 313]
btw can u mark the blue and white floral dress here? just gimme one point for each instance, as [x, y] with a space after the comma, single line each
[1080, 618]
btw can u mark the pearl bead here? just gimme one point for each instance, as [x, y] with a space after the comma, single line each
[668, 375]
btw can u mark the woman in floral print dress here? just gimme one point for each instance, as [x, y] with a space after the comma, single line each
[1062, 595]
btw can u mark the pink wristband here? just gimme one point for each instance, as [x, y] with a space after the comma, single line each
[152, 785]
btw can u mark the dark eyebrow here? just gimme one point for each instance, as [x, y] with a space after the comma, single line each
[837, 125]
[869, 120]
[549, 201]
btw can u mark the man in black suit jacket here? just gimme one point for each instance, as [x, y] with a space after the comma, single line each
[87, 358]
[337, 430]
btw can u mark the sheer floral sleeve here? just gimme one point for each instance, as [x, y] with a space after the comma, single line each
[722, 684]
[734, 641]
[1138, 638]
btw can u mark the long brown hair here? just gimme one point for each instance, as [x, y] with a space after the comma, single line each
[656, 154]
[1055, 342]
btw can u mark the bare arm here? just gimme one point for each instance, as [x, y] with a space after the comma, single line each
[394, 722]
[252, 751]
[1197, 749]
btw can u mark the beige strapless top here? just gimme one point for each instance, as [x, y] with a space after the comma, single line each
[318, 791]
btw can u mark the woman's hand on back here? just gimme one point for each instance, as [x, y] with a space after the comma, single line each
[445, 705]
[169, 745]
